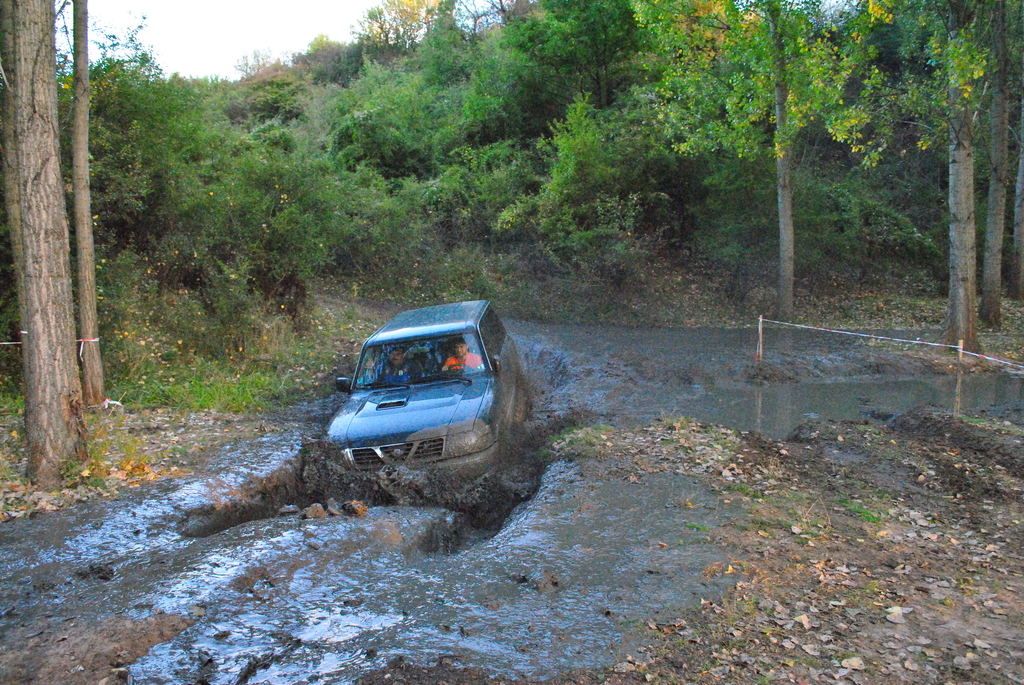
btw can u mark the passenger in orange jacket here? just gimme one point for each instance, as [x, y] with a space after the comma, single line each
[462, 359]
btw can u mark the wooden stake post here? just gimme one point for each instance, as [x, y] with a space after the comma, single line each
[959, 376]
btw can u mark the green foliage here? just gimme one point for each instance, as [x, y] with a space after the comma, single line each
[588, 46]
[327, 61]
[719, 91]
[846, 222]
[445, 55]
[429, 160]
[478, 184]
[393, 28]
[507, 97]
[396, 121]
[602, 206]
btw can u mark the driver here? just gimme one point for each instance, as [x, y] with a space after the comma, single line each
[399, 369]
[462, 359]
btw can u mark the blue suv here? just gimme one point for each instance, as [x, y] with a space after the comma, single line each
[438, 385]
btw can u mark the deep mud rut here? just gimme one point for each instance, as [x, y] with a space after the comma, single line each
[882, 550]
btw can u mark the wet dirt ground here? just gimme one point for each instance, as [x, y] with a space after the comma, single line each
[654, 549]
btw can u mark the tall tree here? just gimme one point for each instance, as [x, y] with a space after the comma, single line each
[394, 27]
[595, 42]
[992, 276]
[88, 327]
[963, 63]
[54, 427]
[736, 65]
[1017, 265]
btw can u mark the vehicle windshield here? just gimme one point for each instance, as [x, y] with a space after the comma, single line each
[420, 361]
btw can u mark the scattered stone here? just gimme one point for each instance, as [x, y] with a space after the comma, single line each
[355, 508]
[854, 663]
[314, 511]
[962, 663]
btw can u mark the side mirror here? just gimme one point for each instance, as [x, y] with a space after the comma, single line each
[343, 385]
[496, 365]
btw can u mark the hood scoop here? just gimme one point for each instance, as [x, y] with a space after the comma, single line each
[391, 404]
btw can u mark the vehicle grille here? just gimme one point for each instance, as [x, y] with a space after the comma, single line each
[429, 449]
[396, 452]
[366, 457]
[375, 457]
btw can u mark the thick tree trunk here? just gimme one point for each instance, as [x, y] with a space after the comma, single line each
[784, 189]
[11, 192]
[88, 326]
[961, 319]
[53, 396]
[992, 277]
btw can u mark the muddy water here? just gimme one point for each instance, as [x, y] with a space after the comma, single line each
[624, 376]
[561, 585]
[552, 590]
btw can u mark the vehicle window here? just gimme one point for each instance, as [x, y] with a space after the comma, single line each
[493, 332]
[417, 361]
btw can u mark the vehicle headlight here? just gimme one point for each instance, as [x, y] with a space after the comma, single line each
[467, 442]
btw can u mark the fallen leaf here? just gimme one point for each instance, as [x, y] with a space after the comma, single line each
[811, 649]
[804, 621]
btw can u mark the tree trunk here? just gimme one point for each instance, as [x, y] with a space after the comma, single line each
[12, 200]
[88, 327]
[54, 428]
[961, 320]
[1017, 267]
[784, 189]
[1016, 289]
[992, 277]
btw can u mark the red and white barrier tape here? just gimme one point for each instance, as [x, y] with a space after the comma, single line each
[81, 343]
[881, 337]
[14, 343]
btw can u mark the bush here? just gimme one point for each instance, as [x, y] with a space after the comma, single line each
[396, 121]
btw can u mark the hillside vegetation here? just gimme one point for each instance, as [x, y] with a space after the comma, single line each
[534, 153]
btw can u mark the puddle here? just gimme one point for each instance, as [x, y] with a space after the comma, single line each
[630, 376]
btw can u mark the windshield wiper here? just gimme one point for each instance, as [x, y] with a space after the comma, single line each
[446, 379]
[377, 386]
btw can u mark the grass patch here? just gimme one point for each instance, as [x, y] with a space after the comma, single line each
[743, 489]
[860, 510]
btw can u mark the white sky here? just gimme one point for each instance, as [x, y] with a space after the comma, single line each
[209, 37]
